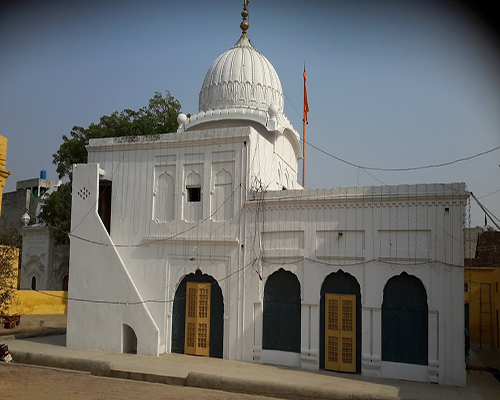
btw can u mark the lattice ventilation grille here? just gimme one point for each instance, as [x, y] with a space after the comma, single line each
[190, 334]
[333, 314]
[203, 303]
[192, 303]
[202, 336]
[83, 193]
[347, 315]
[347, 344]
[333, 349]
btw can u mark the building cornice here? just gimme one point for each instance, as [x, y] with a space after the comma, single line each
[220, 241]
[170, 140]
[361, 196]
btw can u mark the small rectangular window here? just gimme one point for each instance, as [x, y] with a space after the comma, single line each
[466, 287]
[194, 194]
[496, 284]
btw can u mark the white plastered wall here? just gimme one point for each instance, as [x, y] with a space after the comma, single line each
[152, 256]
[156, 254]
[99, 279]
[272, 161]
[428, 219]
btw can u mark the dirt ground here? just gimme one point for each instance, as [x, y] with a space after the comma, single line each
[19, 381]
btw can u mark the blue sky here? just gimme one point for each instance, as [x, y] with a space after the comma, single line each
[390, 83]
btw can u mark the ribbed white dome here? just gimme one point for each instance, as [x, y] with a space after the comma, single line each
[241, 77]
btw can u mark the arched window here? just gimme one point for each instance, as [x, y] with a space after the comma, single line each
[33, 283]
[164, 198]
[405, 321]
[193, 204]
[281, 319]
[222, 202]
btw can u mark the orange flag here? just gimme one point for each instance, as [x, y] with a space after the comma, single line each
[306, 103]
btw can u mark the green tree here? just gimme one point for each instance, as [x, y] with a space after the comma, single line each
[56, 211]
[159, 116]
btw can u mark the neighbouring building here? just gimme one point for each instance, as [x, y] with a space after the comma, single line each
[25, 198]
[9, 256]
[202, 242]
[482, 280]
[4, 174]
[471, 236]
[44, 263]
[496, 309]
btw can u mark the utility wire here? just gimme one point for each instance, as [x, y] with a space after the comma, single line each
[402, 169]
[395, 169]
[251, 263]
[134, 303]
[489, 194]
[486, 211]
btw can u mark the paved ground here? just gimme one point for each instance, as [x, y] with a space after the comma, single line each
[486, 356]
[28, 382]
[231, 376]
[484, 359]
[242, 377]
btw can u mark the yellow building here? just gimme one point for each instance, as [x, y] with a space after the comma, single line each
[496, 310]
[23, 301]
[9, 256]
[4, 174]
[482, 297]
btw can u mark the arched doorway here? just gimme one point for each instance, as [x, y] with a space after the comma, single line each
[215, 314]
[405, 321]
[340, 323]
[281, 317]
[33, 283]
[129, 340]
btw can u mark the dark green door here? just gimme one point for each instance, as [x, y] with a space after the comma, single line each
[281, 320]
[405, 321]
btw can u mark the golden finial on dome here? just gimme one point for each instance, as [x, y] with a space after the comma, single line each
[244, 24]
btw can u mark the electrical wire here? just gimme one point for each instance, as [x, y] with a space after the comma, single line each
[133, 303]
[402, 169]
[489, 194]
[486, 211]
[250, 264]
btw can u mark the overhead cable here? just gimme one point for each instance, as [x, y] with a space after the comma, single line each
[489, 194]
[402, 169]
[486, 211]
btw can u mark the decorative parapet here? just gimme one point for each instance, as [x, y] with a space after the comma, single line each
[272, 120]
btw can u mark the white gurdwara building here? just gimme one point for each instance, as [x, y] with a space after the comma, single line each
[202, 242]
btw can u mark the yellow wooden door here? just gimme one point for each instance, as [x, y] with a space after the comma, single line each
[332, 332]
[197, 333]
[340, 332]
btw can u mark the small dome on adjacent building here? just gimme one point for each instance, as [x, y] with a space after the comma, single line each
[241, 77]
